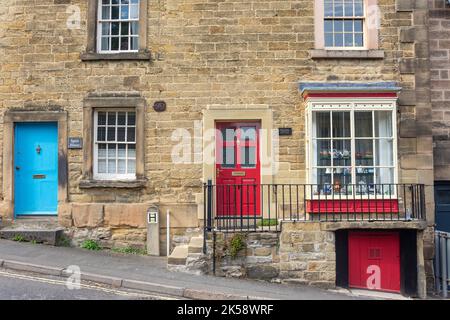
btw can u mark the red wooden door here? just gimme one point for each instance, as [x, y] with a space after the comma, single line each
[374, 260]
[238, 169]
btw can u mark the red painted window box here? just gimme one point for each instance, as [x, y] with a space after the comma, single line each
[352, 206]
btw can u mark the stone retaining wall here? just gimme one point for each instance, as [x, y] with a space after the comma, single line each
[302, 253]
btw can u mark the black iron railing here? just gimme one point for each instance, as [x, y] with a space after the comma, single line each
[254, 208]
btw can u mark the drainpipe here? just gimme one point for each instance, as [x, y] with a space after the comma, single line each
[168, 231]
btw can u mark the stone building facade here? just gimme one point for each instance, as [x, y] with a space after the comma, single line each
[210, 62]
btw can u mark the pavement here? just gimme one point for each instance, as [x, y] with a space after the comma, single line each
[148, 274]
[27, 286]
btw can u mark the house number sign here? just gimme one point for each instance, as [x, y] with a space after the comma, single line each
[75, 143]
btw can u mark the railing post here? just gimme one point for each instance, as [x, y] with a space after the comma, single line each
[444, 257]
[209, 205]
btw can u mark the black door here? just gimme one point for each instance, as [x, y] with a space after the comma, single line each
[442, 200]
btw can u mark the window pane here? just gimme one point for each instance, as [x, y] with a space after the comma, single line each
[364, 181]
[124, 1]
[124, 12]
[111, 133]
[328, 26]
[248, 157]
[348, 8]
[323, 179]
[363, 124]
[348, 25]
[359, 11]
[105, 2]
[329, 40]
[122, 151]
[341, 152]
[105, 43]
[131, 118]
[338, 39]
[101, 134]
[115, 12]
[341, 124]
[121, 134]
[342, 177]
[338, 8]
[105, 28]
[338, 26]
[134, 43]
[131, 134]
[131, 151]
[385, 175]
[328, 8]
[321, 121]
[105, 12]
[112, 151]
[134, 11]
[364, 152]
[358, 25]
[124, 43]
[228, 157]
[131, 166]
[124, 29]
[101, 118]
[121, 166]
[115, 1]
[348, 38]
[134, 28]
[228, 134]
[112, 166]
[115, 28]
[359, 40]
[101, 166]
[322, 152]
[121, 118]
[102, 150]
[248, 134]
[383, 124]
[115, 43]
[384, 152]
[111, 118]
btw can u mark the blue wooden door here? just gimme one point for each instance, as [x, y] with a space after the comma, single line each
[442, 201]
[36, 168]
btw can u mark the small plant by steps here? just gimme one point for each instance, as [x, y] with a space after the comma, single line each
[91, 245]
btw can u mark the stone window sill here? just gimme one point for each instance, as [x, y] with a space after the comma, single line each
[346, 54]
[121, 184]
[92, 56]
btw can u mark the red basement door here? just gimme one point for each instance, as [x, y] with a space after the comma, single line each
[374, 260]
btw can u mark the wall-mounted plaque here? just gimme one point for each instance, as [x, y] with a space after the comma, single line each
[160, 106]
[285, 131]
[75, 143]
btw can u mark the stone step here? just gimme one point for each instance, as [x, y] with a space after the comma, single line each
[179, 255]
[196, 245]
[49, 236]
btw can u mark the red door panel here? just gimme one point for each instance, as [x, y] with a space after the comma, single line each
[374, 260]
[238, 168]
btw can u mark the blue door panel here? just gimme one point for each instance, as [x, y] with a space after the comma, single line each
[442, 200]
[36, 168]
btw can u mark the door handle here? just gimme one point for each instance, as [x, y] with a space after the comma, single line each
[17, 168]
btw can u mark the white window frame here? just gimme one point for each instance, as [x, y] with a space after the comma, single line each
[350, 105]
[343, 18]
[100, 20]
[112, 176]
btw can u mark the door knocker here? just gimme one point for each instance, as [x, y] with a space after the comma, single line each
[38, 149]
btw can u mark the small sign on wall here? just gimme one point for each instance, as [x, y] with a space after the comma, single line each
[285, 131]
[75, 143]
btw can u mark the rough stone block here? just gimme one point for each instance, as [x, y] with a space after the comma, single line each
[263, 272]
[87, 215]
[131, 215]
